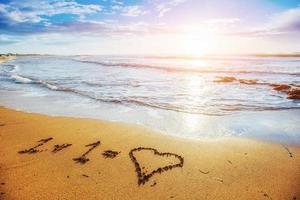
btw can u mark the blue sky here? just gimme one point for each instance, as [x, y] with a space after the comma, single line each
[149, 26]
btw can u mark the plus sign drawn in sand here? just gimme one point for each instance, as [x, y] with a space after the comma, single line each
[59, 147]
[142, 174]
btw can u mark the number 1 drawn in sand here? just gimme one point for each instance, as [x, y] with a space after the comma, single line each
[83, 159]
[34, 149]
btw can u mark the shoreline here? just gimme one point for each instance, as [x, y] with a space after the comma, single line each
[258, 133]
[231, 168]
[275, 119]
[153, 131]
[5, 58]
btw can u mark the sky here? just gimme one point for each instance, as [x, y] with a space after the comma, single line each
[156, 27]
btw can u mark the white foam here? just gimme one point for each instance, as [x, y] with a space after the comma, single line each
[20, 79]
[51, 87]
[15, 68]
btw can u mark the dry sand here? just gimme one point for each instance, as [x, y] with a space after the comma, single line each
[217, 169]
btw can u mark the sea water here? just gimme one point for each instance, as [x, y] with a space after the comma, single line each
[174, 95]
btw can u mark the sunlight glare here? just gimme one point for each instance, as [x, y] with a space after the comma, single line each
[198, 41]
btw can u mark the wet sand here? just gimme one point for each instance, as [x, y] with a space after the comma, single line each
[43, 157]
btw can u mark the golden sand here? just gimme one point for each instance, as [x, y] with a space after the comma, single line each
[216, 169]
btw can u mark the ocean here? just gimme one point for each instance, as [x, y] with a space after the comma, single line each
[179, 96]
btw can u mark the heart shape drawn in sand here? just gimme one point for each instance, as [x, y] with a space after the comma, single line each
[142, 176]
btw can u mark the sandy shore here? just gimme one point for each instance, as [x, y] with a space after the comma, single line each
[3, 58]
[217, 169]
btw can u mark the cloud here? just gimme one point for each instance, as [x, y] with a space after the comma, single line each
[288, 20]
[96, 28]
[115, 2]
[12, 14]
[222, 21]
[133, 11]
[84, 27]
[129, 11]
[32, 17]
[165, 6]
[37, 17]
[6, 40]
[285, 22]
[38, 11]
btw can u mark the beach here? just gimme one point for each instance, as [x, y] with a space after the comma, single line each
[229, 168]
[3, 58]
[149, 100]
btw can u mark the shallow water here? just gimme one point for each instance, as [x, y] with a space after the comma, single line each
[175, 95]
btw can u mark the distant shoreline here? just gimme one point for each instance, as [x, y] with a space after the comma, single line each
[289, 55]
[4, 58]
[278, 55]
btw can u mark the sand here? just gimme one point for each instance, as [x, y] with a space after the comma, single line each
[4, 58]
[229, 168]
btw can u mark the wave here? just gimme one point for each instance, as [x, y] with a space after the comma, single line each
[129, 100]
[29, 80]
[21, 79]
[127, 83]
[107, 99]
[183, 69]
[9, 68]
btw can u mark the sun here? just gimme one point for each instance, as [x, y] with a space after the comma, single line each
[198, 41]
